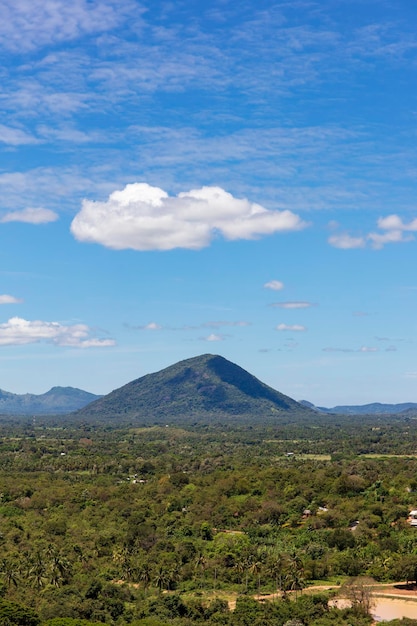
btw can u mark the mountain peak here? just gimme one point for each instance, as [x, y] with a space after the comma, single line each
[203, 387]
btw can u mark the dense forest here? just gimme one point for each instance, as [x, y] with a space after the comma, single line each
[227, 524]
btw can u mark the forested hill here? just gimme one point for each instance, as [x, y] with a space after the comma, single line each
[375, 408]
[201, 388]
[56, 400]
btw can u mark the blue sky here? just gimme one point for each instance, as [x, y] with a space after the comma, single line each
[179, 178]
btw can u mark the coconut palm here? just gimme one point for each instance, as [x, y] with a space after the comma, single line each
[9, 570]
[162, 578]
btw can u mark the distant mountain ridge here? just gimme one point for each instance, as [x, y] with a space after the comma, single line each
[204, 387]
[207, 386]
[374, 408]
[58, 400]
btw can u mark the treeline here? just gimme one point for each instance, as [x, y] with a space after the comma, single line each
[160, 525]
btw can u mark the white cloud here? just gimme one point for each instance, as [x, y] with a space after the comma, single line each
[141, 217]
[394, 222]
[214, 337]
[6, 299]
[292, 327]
[18, 332]
[329, 349]
[152, 326]
[393, 229]
[379, 240]
[15, 136]
[367, 349]
[292, 305]
[346, 242]
[30, 216]
[275, 285]
[219, 324]
[28, 24]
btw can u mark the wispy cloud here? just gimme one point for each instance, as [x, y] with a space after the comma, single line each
[219, 324]
[214, 337]
[150, 326]
[16, 136]
[18, 331]
[344, 241]
[361, 349]
[275, 285]
[6, 299]
[187, 327]
[293, 305]
[31, 216]
[394, 230]
[330, 349]
[30, 24]
[291, 327]
[57, 186]
[141, 217]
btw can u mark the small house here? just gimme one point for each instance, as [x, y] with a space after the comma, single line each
[412, 518]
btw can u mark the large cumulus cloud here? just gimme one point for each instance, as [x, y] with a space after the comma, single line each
[142, 217]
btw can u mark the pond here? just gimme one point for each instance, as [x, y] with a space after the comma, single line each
[386, 609]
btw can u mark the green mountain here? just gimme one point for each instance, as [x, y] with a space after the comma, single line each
[375, 408]
[55, 401]
[201, 388]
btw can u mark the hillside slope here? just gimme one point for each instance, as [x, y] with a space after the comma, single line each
[58, 400]
[206, 386]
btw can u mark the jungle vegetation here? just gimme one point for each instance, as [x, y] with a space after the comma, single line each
[218, 523]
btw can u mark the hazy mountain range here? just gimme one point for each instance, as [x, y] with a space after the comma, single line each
[58, 400]
[204, 387]
[374, 408]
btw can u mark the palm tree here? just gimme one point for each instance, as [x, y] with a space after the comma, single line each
[37, 573]
[145, 575]
[255, 569]
[161, 578]
[60, 568]
[200, 564]
[277, 568]
[243, 565]
[9, 570]
[296, 573]
[122, 557]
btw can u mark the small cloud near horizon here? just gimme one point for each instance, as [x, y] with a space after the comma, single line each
[187, 327]
[151, 326]
[293, 305]
[291, 327]
[224, 323]
[329, 349]
[214, 337]
[275, 285]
